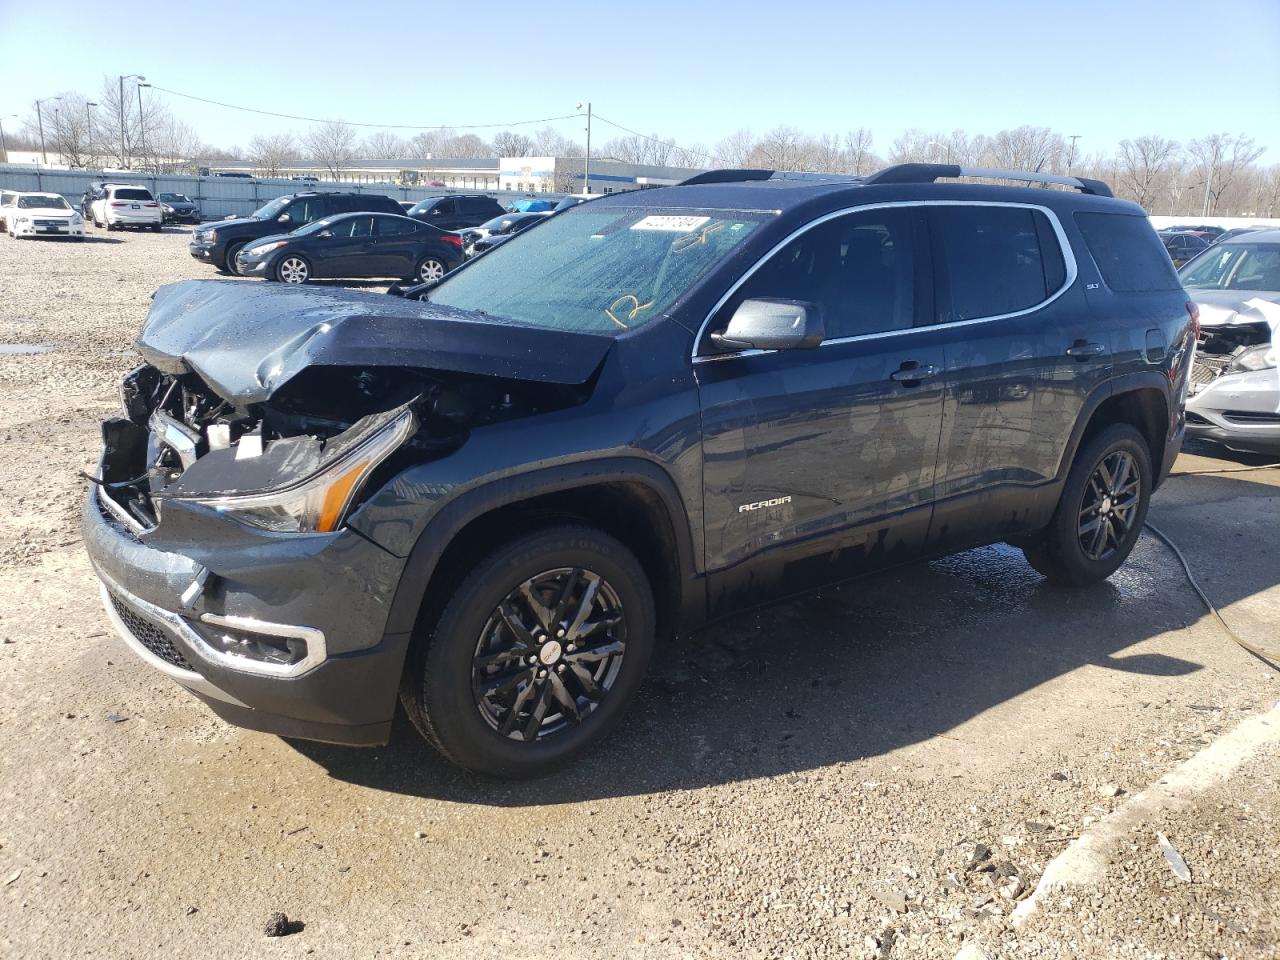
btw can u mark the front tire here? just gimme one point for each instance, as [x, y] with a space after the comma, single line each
[1101, 512]
[536, 655]
[293, 269]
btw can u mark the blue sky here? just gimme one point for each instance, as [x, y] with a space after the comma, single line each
[695, 71]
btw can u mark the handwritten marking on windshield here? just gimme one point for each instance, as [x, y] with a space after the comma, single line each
[636, 307]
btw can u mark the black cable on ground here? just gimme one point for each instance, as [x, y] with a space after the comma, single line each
[1269, 657]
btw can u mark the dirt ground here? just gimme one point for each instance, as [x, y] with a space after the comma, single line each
[818, 779]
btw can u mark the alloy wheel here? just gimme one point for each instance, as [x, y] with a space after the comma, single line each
[294, 270]
[430, 270]
[1109, 505]
[549, 654]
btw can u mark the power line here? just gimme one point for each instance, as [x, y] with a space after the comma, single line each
[665, 143]
[352, 123]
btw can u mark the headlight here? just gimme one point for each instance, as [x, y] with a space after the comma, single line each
[258, 249]
[1261, 357]
[23, 220]
[76, 220]
[167, 208]
[319, 503]
[210, 237]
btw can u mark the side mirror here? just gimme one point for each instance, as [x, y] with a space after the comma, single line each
[283, 218]
[772, 324]
[325, 234]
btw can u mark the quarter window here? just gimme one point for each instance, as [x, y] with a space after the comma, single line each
[991, 260]
[1127, 251]
[857, 269]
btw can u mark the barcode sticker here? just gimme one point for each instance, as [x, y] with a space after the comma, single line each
[670, 223]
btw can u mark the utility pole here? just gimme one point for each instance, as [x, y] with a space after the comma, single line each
[44, 156]
[1208, 182]
[142, 124]
[1071, 156]
[88, 119]
[586, 160]
[120, 102]
[4, 149]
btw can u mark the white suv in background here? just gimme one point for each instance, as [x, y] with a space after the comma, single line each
[39, 215]
[125, 205]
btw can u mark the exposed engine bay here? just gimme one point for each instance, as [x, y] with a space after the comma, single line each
[1221, 345]
[180, 439]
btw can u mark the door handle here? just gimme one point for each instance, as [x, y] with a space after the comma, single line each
[912, 372]
[1082, 350]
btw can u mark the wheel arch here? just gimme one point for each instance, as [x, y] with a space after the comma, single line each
[1142, 400]
[631, 499]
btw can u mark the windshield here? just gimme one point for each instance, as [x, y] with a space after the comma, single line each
[271, 210]
[598, 269]
[422, 206]
[175, 197]
[1234, 266]
[45, 200]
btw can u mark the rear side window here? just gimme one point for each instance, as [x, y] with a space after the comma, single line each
[994, 260]
[1127, 251]
[394, 227]
[132, 193]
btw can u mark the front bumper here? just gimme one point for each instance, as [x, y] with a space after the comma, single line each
[213, 253]
[41, 228]
[253, 268]
[335, 589]
[1238, 410]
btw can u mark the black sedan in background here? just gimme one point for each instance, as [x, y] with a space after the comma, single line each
[178, 208]
[354, 245]
[499, 228]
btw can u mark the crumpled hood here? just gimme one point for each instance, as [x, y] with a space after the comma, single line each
[1222, 307]
[245, 340]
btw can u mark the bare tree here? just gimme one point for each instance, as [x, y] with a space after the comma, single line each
[177, 145]
[271, 154]
[736, 149]
[1219, 157]
[858, 157]
[426, 145]
[466, 147]
[1143, 161]
[508, 144]
[332, 145]
[1025, 148]
[68, 131]
[549, 142]
[384, 145]
[783, 148]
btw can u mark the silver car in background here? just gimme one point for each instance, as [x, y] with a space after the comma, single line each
[1235, 384]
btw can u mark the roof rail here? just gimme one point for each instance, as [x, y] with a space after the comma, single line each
[748, 174]
[929, 172]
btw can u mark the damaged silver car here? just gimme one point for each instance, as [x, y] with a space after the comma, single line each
[1235, 385]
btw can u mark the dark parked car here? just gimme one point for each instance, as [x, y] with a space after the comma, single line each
[1235, 232]
[498, 229]
[178, 208]
[663, 407]
[456, 211]
[218, 243]
[354, 245]
[1182, 246]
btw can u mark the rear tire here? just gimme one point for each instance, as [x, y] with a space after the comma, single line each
[429, 268]
[1100, 513]
[470, 686]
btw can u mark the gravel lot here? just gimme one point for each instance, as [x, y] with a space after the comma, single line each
[819, 779]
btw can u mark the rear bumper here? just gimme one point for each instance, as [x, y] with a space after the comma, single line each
[334, 589]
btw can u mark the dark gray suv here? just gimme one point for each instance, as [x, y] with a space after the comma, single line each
[491, 499]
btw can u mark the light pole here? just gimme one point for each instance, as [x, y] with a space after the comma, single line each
[1208, 181]
[4, 149]
[142, 124]
[130, 76]
[88, 120]
[1071, 155]
[44, 157]
[586, 160]
[935, 143]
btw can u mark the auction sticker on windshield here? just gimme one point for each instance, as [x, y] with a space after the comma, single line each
[672, 223]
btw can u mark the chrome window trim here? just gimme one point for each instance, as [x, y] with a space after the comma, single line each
[1068, 257]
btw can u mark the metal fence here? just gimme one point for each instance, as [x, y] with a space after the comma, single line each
[219, 197]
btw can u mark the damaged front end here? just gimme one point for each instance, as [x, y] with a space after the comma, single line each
[1234, 395]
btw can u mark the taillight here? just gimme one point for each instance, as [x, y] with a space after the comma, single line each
[117, 203]
[1193, 311]
[453, 240]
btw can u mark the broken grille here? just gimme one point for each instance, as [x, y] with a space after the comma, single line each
[1208, 369]
[148, 634]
